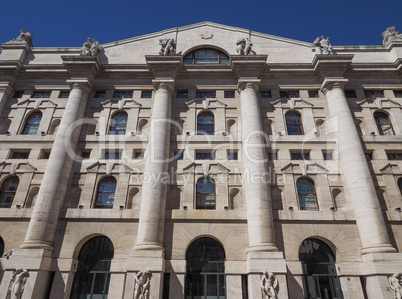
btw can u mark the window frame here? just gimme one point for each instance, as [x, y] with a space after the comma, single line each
[27, 130]
[380, 128]
[192, 58]
[306, 194]
[200, 206]
[290, 125]
[115, 127]
[3, 196]
[209, 128]
[101, 205]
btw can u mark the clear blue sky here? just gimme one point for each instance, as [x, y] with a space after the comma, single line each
[68, 23]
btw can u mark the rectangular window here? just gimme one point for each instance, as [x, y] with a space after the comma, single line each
[289, 94]
[394, 156]
[313, 94]
[122, 94]
[138, 155]
[18, 94]
[19, 154]
[265, 94]
[112, 155]
[45, 154]
[41, 94]
[182, 94]
[374, 93]
[100, 94]
[85, 154]
[178, 155]
[64, 94]
[273, 156]
[206, 94]
[229, 94]
[350, 93]
[205, 156]
[300, 156]
[398, 93]
[232, 155]
[327, 155]
[369, 156]
[146, 94]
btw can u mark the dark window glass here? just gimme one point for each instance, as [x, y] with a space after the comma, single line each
[7, 191]
[398, 93]
[306, 194]
[394, 156]
[205, 156]
[206, 56]
[383, 123]
[205, 123]
[229, 94]
[294, 123]
[20, 155]
[146, 94]
[369, 156]
[106, 193]
[266, 94]
[139, 155]
[182, 94]
[313, 94]
[41, 94]
[1, 246]
[64, 94]
[232, 156]
[100, 94]
[400, 185]
[18, 94]
[205, 94]
[93, 272]
[374, 93]
[178, 156]
[205, 194]
[289, 94]
[272, 156]
[166, 286]
[350, 93]
[119, 123]
[327, 156]
[85, 154]
[32, 123]
[122, 94]
[300, 156]
[45, 154]
[113, 155]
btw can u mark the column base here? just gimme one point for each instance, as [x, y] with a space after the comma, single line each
[266, 247]
[149, 246]
[385, 248]
[35, 244]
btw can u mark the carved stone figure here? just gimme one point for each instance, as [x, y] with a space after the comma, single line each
[17, 284]
[323, 46]
[24, 37]
[142, 284]
[241, 45]
[91, 49]
[168, 46]
[390, 35]
[395, 283]
[248, 49]
[269, 285]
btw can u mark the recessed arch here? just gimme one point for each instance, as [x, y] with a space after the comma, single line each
[383, 123]
[32, 123]
[118, 123]
[8, 190]
[206, 55]
[206, 123]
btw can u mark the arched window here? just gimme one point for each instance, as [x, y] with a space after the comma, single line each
[206, 56]
[294, 123]
[306, 194]
[106, 193]
[205, 275]
[93, 272]
[7, 191]
[383, 123]
[205, 123]
[319, 271]
[400, 185]
[119, 123]
[205, 194]
[32, 123]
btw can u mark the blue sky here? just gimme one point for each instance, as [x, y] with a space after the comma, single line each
[68, 23]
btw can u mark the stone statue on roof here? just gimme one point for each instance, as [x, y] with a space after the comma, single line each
[168, 46]
[91, 48]
[322, 45]
[24, 37]
[390, 35]
[244, 46]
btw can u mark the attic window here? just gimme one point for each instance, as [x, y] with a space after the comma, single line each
[206, 56]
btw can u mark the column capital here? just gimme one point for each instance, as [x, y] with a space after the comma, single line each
[164, 84]
[331, 83]
[84, 85]
[331, 66]
[248, 83]
[164, 67]
[248, 66]
[82, 69]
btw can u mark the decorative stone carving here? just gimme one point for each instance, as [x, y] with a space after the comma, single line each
[395, 283]
[142, 284]
[168, 46]
[244, 46]
[390, 35]
[269, 285]
[17, 284]
[323, 46]
[91, 49]
[24, 37]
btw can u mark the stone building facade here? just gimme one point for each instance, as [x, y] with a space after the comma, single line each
[205, 161]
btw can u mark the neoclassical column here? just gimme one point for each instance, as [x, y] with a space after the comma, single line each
[43, 224]
[256, 187]
[154, 188]
[356, 174]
